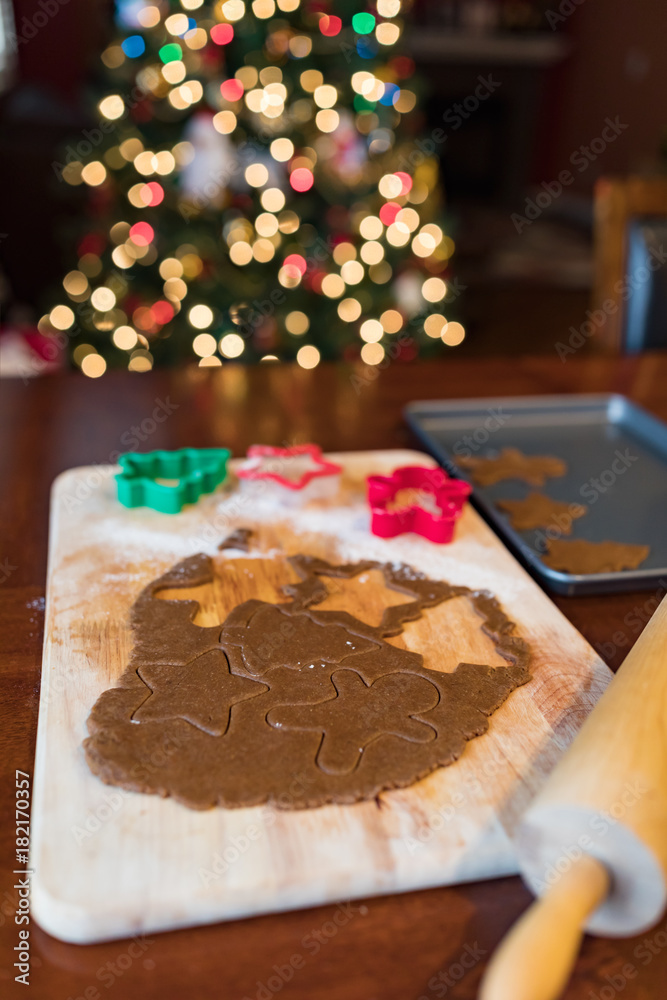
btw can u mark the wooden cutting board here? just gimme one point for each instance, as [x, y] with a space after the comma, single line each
[110, 863]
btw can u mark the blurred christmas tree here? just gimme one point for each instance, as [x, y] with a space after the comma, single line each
[255, 192]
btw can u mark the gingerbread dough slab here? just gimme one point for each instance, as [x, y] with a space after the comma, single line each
[287, 696]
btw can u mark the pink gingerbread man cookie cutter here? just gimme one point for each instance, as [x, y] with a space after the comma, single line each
[447, 495]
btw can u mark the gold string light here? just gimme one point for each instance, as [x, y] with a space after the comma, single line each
[371, 330]
[61, 317]
[200, 316]
[125, 338]
[297, 323]
[372, 354]
[231, 345]
[453, 334]
[349, 310]
[204, 344]
[391, 321]
[93, 365]
[308, 356]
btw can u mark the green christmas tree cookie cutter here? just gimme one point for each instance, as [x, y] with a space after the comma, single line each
[193, 471]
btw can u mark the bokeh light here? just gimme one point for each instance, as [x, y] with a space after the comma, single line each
[327, 121]
[308, 356]
[232, 90]
[263, 9]
[310, 80]
[240, 253]
[349, 310]
[142, 234]
[93, 365]
[371, 331]
[391, 320]
[222, 34]
[301, 179]
[352, 272]
[256, 175]
[125, 338]
[434, 325]
[333, 286]
[75, 283]
[388, 213]
[200, 316]
[61, 317]
[224, 122]
[325, 96]
[233, 10]
[372, 252]
[434, 289]
[372, 354]
[94, 173]
[343, 252]
[133, 46]
[387, 34]
[297, 323]
[371, 228]
[330, 25]
[112, 107]
[272, 199]
[453, 334]
[266, 224]
[149, 16]
[204, 345]
[231, 345]
[282, 149]
[103, 299]
[363, 23]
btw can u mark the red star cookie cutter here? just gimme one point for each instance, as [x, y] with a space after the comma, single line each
[389, 518]
[265, 462]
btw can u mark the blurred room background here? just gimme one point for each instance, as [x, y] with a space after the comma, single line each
[545, 114]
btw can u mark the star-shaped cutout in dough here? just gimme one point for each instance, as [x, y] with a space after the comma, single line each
[359, 713]
[202, 692]
[513, 464]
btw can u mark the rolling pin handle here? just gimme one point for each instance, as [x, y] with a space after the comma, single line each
[535, 960]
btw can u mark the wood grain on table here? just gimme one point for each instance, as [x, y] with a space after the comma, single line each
[428, 944]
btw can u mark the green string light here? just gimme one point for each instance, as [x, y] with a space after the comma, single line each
[363, 23]
[171, 52]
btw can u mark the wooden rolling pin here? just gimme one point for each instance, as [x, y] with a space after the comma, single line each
[593, 844]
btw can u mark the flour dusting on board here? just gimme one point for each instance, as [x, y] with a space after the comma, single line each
[133, 544]
[464, 561]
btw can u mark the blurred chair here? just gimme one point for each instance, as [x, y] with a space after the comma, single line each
[630, 285]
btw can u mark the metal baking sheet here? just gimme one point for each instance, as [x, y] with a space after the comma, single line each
[616, 455]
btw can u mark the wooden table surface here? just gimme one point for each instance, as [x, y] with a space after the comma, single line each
[427, 944]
